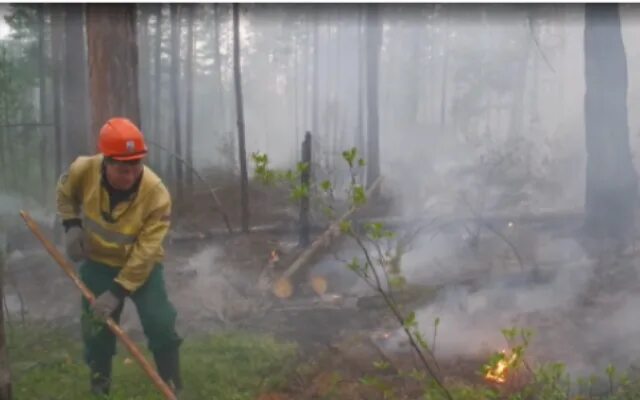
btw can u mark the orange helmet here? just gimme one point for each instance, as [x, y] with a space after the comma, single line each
[121, 140]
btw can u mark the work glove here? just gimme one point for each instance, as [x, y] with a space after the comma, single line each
[105, 305]
[74, 244]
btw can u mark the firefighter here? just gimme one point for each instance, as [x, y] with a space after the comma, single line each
[116, 213]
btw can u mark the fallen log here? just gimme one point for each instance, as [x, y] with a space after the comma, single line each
[323, 241]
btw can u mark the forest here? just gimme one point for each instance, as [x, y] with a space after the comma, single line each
[369, 201]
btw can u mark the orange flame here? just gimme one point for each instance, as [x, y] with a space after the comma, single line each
[498, 374]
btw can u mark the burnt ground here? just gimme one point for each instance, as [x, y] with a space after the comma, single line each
[537, 274]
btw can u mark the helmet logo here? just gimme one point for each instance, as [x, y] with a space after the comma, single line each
[131, 146]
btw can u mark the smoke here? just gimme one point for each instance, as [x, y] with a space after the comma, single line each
[575, 315]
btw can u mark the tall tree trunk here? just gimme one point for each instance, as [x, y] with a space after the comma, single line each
[315, 105]
[296, 89]
[611, 186]
[113, 62]
[175, 97]
[144, 69]
[220, 97]
[373, 39]
[57, 51]
[445, 73]
[42, 103]
[189, 76]
[237, 77]
[157, 86]
[361, 139]
[516, 119]
[76, 92]
[5, 372]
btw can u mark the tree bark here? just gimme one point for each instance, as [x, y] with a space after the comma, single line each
[113, 63]
[175, 97]
[57, 50]
[42, 103]
[220, 97]
[76, 92]
[611, 185]
[189, 78]
[316, 75]
[361, 139]
[373, 42]
[5, 372]
[237, 75]
[157, 84]
[305, 179]
[144, 68]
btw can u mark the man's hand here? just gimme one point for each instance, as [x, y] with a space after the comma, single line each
[74, 244]
[105, 305]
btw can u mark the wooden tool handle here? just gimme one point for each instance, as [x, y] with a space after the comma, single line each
[115, 328]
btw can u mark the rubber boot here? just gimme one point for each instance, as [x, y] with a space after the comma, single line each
[100, 377]
[168, 364]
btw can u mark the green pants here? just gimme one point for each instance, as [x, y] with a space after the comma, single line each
[157, 314]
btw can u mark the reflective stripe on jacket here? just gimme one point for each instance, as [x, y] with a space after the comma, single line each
[132, 239]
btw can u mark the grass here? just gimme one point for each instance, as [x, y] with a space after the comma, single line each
[47, 364]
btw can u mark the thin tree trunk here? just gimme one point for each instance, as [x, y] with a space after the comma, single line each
[189, 77]
[374, 37]
[220, 97]
[611, 186]
[296, 89]
[517, 104]
[42, 84]
[113, 62]
[237, 73]
[445, 70]
[175, 97]
[5, 371]
[76, 92]
[157, 85]
[57, 49]
[361, 139]
[316, 75]
[144, 68]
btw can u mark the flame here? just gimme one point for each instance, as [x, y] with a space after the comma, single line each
[273, 257]
[498, 374]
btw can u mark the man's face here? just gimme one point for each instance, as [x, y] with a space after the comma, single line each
[123, 175]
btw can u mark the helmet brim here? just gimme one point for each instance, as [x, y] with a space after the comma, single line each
[130, 157]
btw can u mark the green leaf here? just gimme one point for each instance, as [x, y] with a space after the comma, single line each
[410, 320]
[361, 162]
[302, 167]
[359, 196]
[345, 226]
[299, 192]
[381, 365]
[354, 265]
[422, 342]
[325, 185]
[397, 282]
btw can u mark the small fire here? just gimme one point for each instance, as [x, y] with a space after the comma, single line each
[273, 257]
[498, 374]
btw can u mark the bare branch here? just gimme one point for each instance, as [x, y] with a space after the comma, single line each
[212, 191]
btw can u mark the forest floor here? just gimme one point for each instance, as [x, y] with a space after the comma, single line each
[539, 274]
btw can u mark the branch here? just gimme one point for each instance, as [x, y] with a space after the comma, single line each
[490, 227]
[535, 41]
[392, 306]
[212, 191]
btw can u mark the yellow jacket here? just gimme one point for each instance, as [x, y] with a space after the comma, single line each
[133, 241]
